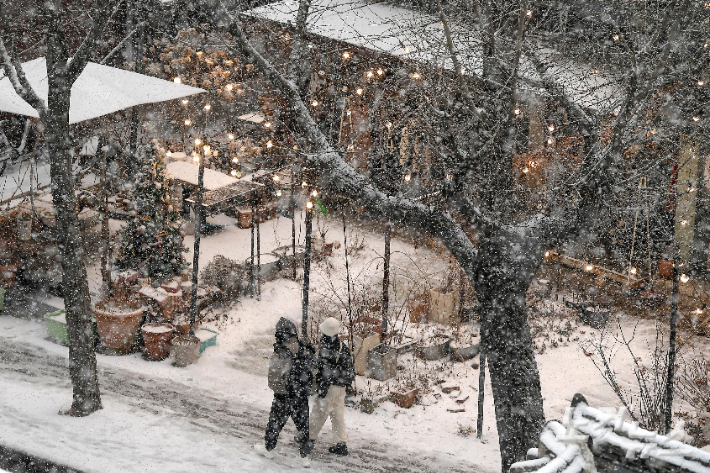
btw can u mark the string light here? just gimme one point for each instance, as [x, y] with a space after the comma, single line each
[359, 91]
[177, 80]
[314, 103]
[380, 72]
[198, 141]
[408, 177]
[416, 76]
[701, 83]
[196, 158]
[267, 124]
[276, 178]
[208, 107]
[278, 193]
[269, 144]
[696, 119]
[528, 13]
[230, 136]
[388, 124]
[551, 128]
[304, 184]
[185, 101]
[235, 160]
[314, 193]
[550, 141]
[206, 149]
[370, 74]
[517, 112]
[547, 254]
[234, 172]
[346, 55]
[239, 174]
[617, 37]
[230, 86]
[589, 267]
[632, 271]
[309, 205]
[684, 278]
[406, 49]
[168, 154]
[188, 123]
[525, 170]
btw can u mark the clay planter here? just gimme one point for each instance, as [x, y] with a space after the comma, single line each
[404, 398]
[186, 350]
[381, 363]
[463, 353]
[418, 311]
[118, 323]
[665, 268]
[156, 338]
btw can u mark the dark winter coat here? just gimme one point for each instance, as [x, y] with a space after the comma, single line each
[299, 368]
[335, 365]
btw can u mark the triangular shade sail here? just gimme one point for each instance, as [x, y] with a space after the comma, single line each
[98, 91]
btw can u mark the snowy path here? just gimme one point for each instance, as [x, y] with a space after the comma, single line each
[190, 428]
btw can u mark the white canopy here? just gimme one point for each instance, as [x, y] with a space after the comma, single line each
[187, 172]
[98, 91]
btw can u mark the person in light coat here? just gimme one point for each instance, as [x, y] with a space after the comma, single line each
[334, 373]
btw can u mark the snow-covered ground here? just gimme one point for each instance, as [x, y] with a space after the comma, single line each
[208, 415]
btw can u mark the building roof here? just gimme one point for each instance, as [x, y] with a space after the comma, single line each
[419, 37]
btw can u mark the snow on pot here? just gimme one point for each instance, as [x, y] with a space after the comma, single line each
[381, 363]
[434, 348]
[118, 321]
[186, 350]
[156, 338]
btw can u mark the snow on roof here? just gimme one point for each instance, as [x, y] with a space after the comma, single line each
[566, 444]
[419, 37]
[187, 172]
[98, 91]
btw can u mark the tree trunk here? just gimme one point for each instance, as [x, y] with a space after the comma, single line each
[505, 272]
[75, 286]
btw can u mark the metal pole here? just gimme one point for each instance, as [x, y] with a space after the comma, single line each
[258, 251]
[293, 221]
[196, 253]
[306, 271]
[347, 278]
[386, 277]
[251, 265]
[105, 232]
[481, 386]
[672, 347]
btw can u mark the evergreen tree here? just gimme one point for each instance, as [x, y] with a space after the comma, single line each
[153, 240]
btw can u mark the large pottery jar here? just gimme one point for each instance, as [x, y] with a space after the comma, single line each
[118, 321]
[186, 349]
[156, 338]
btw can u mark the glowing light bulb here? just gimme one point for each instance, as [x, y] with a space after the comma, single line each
[406, 49]
[633, 271]
[185, 101]
[528, 13]
[168, 154]
[684, 222]
[617, 37]
[696, 119]
[177, 80]
[517, 112]
[547, 254]
[701, 83]
[551, 128]
[198, 141]
[206, 149]
[550, 141]
[269, 144]
[314, 193]
[196, 159]
[698, 311]
[278, 193]
[388, 124]
[380, 72]
[309, 205]
[267, 124]
[684, 278]
[233, 173]
[276, 178]
[230, 136]
[346, 55]
[230, 86]
[416, 76]
[525, 170]
[208, 107]
[314, 103]
[188, 122]
[239, 174]
[235, 160]
[589, 267]
[408, 177]
[359, 91]
[304, 184]
[370, 74]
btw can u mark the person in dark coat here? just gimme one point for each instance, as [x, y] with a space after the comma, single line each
[290, 377]
[335, 372]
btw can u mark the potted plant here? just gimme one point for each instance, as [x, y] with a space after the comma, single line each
[118, 319]
[405, 394]
[156, 339]
[381, 363]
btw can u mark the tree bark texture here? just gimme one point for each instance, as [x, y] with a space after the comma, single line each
[77, 302]
[504, 273]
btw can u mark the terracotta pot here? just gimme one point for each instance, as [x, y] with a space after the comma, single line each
[156, 338]
[118, 327]
[404, 398]
[186, 350]
[665, 268]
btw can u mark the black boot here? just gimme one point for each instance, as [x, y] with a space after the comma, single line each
[339, 449]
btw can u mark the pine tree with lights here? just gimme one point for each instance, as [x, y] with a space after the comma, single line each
[153, 239]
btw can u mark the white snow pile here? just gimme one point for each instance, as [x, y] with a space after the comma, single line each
[586, 435]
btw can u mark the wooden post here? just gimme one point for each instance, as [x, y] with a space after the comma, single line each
[306, 272]
[196, 251]
[386, 277]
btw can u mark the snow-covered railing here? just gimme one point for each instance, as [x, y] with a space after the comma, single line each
[589, 440]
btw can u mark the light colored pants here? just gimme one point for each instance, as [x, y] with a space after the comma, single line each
[333, 406]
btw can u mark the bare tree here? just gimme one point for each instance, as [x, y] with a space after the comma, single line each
[63, 69]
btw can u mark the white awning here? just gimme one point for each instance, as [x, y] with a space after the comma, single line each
[187, 172]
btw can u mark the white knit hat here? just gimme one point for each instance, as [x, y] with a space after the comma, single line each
[330, 327]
